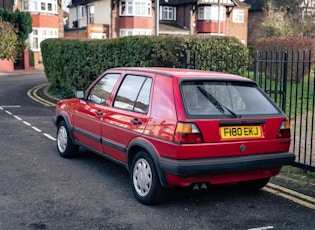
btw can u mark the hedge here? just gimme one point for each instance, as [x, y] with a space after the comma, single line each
[298, 49]
[72, 65]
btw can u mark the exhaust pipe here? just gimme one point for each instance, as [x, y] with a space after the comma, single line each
[196, 188]
[204, 187]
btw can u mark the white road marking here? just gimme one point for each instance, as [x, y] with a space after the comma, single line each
[26, 123]
[262, 228]
[36, 129]
[49, 136]
[18, 118]
[9, 106]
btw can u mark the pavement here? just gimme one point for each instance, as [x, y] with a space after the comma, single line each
[22, 72]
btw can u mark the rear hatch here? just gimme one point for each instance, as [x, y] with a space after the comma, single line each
[229, 118]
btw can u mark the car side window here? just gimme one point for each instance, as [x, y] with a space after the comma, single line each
[101, 91]
[134, 94]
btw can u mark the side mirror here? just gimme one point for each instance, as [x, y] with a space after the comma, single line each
[80, 94]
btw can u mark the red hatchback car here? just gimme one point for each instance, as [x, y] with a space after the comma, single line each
[177, 127]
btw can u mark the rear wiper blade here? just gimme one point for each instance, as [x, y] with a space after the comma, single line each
[215, 102]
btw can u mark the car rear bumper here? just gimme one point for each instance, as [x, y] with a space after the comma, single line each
[191, 167]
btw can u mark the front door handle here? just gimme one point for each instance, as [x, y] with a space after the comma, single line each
[136, 121]
[99, 112]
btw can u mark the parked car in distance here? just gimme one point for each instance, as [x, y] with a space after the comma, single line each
[177, 128]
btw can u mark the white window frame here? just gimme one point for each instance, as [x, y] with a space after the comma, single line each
[40, 34]
[134, 32]
[42, 6]
[135, 8]
[168, 13]
[91, 14]
[80, 11]
[204, 13]
[211, 13]
[238, 16]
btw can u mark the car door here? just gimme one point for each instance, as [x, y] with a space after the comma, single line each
[90, 112]
[128, 114]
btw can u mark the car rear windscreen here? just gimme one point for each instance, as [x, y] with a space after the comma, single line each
[235, 99]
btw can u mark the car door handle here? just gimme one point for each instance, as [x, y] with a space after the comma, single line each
[136, 121]
[99, 112]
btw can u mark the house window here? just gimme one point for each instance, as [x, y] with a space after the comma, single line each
[167, 13]
[49, 7]
[80, 12]
[133, 32]
[91, 14]
[25, 5]
[211, 13]
[204, 13]
[44, 6]
[238, 16]
[40, 34]
[135, 8]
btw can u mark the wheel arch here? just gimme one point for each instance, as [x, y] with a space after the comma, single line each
[140, 144]
[64, 117]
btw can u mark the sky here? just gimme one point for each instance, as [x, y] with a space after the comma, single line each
[65, 3]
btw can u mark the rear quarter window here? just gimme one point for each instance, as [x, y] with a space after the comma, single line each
[216, 98]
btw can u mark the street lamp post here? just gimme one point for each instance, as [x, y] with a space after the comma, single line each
[157, 17]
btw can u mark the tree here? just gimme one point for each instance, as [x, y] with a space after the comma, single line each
[289, 18]
[22, 22]
[8, 41]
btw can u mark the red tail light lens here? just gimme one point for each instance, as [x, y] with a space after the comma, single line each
[284, 130]
[187, 133]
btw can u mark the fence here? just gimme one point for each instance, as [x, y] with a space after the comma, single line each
[287, 77]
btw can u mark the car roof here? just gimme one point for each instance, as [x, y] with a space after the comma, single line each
[184, 73]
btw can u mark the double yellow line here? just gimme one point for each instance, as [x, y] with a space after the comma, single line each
[32, 93]
[294, 196]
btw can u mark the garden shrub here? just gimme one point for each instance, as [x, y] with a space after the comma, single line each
[72, 64]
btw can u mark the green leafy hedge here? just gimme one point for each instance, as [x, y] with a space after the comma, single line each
[71, 64]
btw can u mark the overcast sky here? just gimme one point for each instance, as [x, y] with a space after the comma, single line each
[65, 3]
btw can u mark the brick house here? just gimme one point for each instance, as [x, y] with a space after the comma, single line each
[47, 22]
[117, 18]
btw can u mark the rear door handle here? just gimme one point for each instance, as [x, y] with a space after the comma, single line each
[136, 121]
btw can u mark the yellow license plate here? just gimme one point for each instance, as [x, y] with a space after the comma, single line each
[240, 131]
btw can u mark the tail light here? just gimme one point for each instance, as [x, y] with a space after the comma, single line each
[284, 130]
[187, 133]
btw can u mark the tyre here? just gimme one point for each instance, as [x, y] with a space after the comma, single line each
[145, 180]
[65, 146]
[254, 184]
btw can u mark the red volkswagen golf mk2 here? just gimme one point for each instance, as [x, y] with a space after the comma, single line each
[177, 127]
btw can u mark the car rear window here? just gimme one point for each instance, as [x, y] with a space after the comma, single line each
[236, 99]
